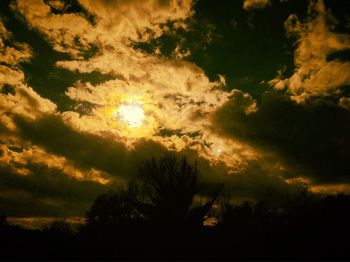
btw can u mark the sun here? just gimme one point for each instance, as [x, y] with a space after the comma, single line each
[131, 114]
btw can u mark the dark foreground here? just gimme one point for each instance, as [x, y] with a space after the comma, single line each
[306, 230]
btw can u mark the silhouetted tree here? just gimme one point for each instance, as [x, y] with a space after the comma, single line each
[58, 227]
[3, 220]
[114, 207]
[162, 193]
[237, 215]
[169, 186]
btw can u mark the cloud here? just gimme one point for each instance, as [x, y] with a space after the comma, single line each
[12, 54]
[52, 150]
[315, 74]
[18, 159]
[116, 28]
[255, 4]
[175, 94]
[56, 161]
[33, 181]
[46, 191]
[92, 148]
[171, 86]
[104, 152]
[311, 139]
[264, 179]
[9, 76]
[85, 150]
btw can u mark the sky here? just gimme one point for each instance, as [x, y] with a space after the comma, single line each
[256, 91]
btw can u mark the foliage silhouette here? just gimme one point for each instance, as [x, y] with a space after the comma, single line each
[3, 220]
[156, 217]
[162, 194]
[59, 227]
[113, 208]
[169, 188]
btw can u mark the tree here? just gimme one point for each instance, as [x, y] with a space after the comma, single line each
[162, 193]
[169, 186]
[3, 220]
[59, 227]
[113, 208]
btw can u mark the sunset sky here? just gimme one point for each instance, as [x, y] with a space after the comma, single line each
[257, 91]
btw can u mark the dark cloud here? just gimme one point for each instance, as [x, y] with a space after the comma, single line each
[84, 149]
[315, 135]
[45, 192]
[49, 191]
[104, 153]
[262, 180]
[54, 193]
[342, 55]
[87, 150]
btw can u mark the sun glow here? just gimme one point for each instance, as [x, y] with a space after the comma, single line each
[131, 114]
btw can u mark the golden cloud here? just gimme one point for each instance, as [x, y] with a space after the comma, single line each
[315, 74]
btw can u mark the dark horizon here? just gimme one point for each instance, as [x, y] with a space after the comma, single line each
[157, 217]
